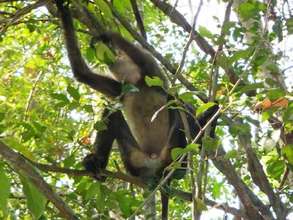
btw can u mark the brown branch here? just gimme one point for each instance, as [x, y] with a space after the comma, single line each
[21, 165]
[20, 14]
[138, 18]
[259, 177]
[188, 197]
[177, 18]
[74, 172]
[252, 204]
[119, 175]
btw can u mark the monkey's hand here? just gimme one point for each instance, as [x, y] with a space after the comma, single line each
[91, 163]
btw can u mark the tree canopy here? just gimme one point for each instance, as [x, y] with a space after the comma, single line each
[241, 58]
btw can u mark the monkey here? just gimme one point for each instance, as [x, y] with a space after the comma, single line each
[145, 144]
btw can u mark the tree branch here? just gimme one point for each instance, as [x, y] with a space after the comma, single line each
[24, 161]
[188, 197]
[21, 165]
[259, 177]
[19, 14]
[254, 207]
[180, 20]
[138, 18]
[73, 172]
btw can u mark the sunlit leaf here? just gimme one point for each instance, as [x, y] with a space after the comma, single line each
[154, 81]
[205, 32]
[201, 109]
[288, 152]
[4, 189]
[176, 153]
[36, 201]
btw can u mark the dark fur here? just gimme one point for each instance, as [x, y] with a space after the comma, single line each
[144, 145]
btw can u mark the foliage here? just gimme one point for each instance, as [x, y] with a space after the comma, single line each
[50, 118]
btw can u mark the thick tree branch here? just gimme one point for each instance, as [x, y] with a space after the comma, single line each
[254, 207]
[73, 172]
[21, 165]
[259, 177]
[121, 176]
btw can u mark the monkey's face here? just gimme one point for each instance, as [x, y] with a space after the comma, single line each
[125, 70]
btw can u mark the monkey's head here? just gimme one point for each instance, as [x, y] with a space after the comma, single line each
[125, 70]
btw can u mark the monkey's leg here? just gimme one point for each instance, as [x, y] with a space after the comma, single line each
[130, 152]
[165, 204]
[98, 160]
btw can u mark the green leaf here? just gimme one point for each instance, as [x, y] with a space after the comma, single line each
[176, 153]
[4, 189]
[36, 202]
[188, 97]
[73, 92]
[203, 108]
[250, 87]
[90, 54]
[275, 168]
[289, 25]
[216, 191]
[274, 94]
[125, 202]
[192, 148]
[265, 116]
[88, 108]
[205, 32]
[248, 10]
[93, 191]
[241, 54]
[231, 154]
[127, 87]
[60, 97]
[29, 132]
[104, 54]
[154, 81]
[69, 161]
[288, 152]
[2, 116]
[40, 128]
[100, 125]
[237, 129]
[209, 143]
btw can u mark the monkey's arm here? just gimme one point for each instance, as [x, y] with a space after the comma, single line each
[79, 67]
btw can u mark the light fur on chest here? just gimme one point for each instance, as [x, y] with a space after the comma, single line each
[139, 108]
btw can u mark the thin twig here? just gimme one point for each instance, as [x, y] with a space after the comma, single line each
[32, 92]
